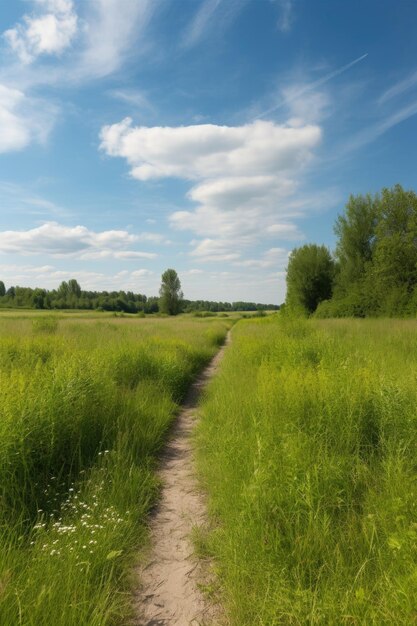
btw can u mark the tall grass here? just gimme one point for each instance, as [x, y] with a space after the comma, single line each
[307, 448]
[85, 406]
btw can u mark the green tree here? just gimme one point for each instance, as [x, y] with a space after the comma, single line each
[170, 293]
[395, 257]
[310, 275]
[63, 289]
[2, 289]
[356, 230]
[74, 288]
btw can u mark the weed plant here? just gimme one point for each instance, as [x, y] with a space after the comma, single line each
[85, 405]
[307, 448]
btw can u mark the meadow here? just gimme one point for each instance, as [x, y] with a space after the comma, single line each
[307, 449]
[86, 402]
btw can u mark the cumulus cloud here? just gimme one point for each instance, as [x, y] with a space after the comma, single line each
[244, 177]
[48, 31]
[62, 241]
[22, 119]
[208, 150]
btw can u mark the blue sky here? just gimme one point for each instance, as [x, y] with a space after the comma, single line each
[211, 136]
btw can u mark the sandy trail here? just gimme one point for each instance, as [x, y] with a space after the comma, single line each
[169, 593]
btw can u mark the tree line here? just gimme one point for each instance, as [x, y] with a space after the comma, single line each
[69, 295]
[373, 270]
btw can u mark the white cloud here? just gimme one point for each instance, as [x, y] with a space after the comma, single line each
[61, 241]
[309, 107]
[50, 30]
[399, 88]
[14, 133]
[107, 33]
[246, 178]
[211, 13]
[23, 119]
[153, 238]
[133, 97]
[286, 231]
[207, 150]
[274, 257]
[199, 24]
[121, 255]
[112, 30]
[141, 273]
[226, 193]
[306, 88]
[218, 250]
[49, 277]
[372, 132]
[194, 272]
[286, 18]
[247, 283]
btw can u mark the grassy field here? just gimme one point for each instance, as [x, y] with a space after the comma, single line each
[307, 448]
[85, 405]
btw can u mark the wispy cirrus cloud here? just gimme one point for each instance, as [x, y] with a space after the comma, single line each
[41, 53]
[218, 14]
[25, 201]
[286, 18]
[106, 37]
[111, 33]
[375, 130]
[399, 88]
[23, 119]
[294, 93]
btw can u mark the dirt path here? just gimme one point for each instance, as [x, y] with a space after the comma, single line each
[168, 593]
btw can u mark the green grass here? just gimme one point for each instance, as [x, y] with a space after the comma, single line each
[85, 405]
[307, 448]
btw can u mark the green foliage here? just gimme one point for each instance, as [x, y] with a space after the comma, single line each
[170, 301]
[85, 405]
[2, 289]
[356, 239]
[376, 257]
[307, 450]
[310, 276]
[69, 295]
[395, 256]
[191, 306]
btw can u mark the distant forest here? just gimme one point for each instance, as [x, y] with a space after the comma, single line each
[373, 271]
[69, 295]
